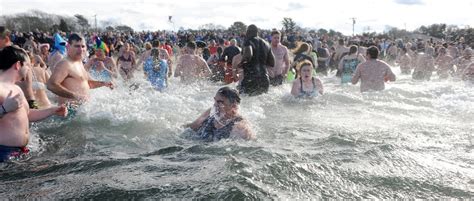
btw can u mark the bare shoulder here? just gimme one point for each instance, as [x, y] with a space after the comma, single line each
[242, 129]
[63, 64]
[382, 62]
[200, 58]
[7, 87]
[296, 82]
[109, 60]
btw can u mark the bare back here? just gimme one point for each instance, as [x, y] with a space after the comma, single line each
[191, 67]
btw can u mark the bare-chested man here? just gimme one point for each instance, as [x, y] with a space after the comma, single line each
[425, 65]
[191, 67]
[468, 73]
[69, 80]
[15, 114]
[282, 60]
[404, 60]
[444, 62]
[463, 62]
[373, 72]
[26, 83]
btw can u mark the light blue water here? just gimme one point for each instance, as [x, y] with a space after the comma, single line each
[413, 140]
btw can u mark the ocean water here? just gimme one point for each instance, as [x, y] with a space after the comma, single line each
[413, 140]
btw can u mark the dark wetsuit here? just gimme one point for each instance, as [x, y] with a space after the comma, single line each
[11, 152]
[256, 79]
[208, 132]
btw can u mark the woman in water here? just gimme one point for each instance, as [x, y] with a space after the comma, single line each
[156, 69]
[40, 77]
[126, 62]
[223, 120]
[101, 67]
[306, 86]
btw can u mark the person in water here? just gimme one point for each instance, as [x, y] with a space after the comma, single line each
[15, 114]
[223, 120]
[257, 56]
[425, 65]
[444, 61]
[26, 83]
[306, 86]
[191, 67]
[348, 64]
[405, 61]
[156, 69]
[40, 77]
[468, 73]
[69, 80]
[126, 62]
[373, 72]
[101, 68]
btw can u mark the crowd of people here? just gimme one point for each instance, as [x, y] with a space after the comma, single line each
[69, 65]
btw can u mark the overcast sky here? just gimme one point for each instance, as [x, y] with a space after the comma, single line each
[373, 15]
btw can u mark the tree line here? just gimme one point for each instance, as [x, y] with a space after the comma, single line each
[37, 20]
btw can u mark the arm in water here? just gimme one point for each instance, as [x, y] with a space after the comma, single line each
[198, 122]
[242, 130]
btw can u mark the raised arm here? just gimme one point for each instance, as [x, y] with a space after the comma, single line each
[295, 89]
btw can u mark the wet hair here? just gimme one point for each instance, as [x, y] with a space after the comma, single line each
[75, 37]
[155, 43]
[303, 63]
[373, 52]
[231, 94]
[148, 46]
[303, 47]
[352, 49]
[191, 45]
[155, 53]
[10, 55]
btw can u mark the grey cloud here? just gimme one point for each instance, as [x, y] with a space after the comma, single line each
[410, 2]
[295, 6]
[129, 11]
